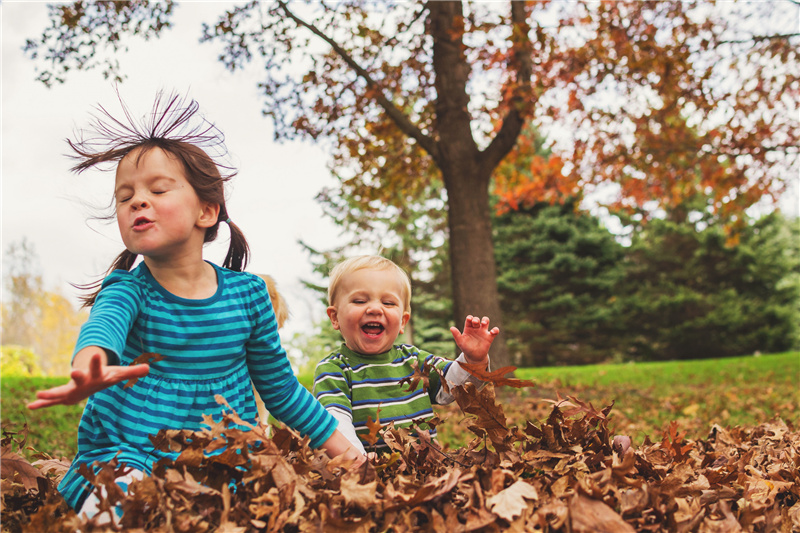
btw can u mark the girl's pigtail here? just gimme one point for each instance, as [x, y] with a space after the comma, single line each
[238, 250]
[123, 261]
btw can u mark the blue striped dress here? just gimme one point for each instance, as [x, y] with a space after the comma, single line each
[210, 346]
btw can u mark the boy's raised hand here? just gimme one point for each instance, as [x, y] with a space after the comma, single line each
[86, 381]
[476, 339]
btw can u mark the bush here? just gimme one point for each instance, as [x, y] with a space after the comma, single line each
[18, 361]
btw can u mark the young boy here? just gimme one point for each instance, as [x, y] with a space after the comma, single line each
[369, 301]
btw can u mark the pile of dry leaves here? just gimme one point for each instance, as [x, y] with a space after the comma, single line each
[560, 474]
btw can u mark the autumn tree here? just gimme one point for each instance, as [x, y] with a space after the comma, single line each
[33, 317]
[409, 93]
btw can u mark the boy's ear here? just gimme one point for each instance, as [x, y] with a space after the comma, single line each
[333, 316]
[209, 213]
[404, 321]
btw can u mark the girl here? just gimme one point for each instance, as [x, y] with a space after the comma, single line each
[213, 327]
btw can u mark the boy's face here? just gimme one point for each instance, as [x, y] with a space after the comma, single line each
[368, 310]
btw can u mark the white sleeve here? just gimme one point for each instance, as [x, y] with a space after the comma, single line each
[458, 376]
[347, 428]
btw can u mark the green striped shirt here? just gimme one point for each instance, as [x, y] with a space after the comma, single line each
[359, 385]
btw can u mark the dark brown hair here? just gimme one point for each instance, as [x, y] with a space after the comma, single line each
[175, 127]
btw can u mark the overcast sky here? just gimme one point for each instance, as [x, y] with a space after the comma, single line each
[271, 199]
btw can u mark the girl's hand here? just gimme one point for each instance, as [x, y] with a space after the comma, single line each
[85, 382]
[476, 339]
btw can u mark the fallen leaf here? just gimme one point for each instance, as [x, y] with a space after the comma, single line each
[510, 502]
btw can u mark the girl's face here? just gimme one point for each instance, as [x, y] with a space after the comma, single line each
[368, 310]
[158, 211]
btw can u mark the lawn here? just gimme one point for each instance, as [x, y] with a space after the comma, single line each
[740, 391]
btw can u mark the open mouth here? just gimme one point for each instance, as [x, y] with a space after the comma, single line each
[141, 222]
[372, 328]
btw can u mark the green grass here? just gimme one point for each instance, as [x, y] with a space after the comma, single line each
[53, 430]
[668, 374]
[737, 391]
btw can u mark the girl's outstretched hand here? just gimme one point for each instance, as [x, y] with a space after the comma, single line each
[476, 339]
[85, 382]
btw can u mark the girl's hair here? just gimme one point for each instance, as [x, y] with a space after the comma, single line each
[368, 262]
[175, 127]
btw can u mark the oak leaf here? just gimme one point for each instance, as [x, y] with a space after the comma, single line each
[144, 359]
[479, 371]
[13, 463]
[419, 374]
[510, 502]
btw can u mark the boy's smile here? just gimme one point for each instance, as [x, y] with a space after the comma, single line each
[368, 310]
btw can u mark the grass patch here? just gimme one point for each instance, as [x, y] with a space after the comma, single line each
[736, 391]
[53, 430]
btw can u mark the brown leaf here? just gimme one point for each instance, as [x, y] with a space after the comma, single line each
[420, 374]
[13, 463]
[496, 376]
[361, 496]
[490, 416]
[144, 359]
[374, 427]
[593, 516]
[511, 501]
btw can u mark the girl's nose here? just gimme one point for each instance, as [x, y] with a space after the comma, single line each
[137, 203]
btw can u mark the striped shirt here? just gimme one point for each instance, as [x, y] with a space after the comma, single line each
[359, 385]
[210, 346]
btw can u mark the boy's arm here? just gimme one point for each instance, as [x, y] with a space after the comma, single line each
[456, 375]
[476, 339]
[474, 343]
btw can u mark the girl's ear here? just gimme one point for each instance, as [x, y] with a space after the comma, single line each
[208, 215]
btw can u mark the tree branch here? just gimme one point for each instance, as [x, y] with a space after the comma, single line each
[399, 118]
[512, 124]
[759, 38]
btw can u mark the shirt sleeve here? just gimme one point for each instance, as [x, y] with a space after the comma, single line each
[332, 388]
[274, 379]
[112, 316]
[455, 375]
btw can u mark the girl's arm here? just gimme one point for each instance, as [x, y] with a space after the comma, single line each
[337, 444]
[90, 373]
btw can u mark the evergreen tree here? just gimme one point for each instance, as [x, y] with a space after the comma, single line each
[690, 293]
[557, 272]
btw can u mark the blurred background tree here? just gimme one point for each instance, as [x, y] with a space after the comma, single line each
[35, 320]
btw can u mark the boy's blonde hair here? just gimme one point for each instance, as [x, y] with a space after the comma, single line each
[368, 262]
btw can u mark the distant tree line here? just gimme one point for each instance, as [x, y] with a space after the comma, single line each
[571, 293]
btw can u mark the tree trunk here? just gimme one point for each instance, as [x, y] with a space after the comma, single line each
[465, 178]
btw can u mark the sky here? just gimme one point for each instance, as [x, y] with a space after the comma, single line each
[271, 198]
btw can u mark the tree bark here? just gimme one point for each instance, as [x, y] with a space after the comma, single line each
[465, 178]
